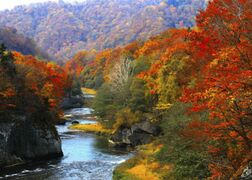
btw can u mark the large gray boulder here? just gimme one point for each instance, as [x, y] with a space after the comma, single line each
[138, 134]
[22, 140]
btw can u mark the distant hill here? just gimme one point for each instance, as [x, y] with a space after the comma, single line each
[62, 29]
[17, 42]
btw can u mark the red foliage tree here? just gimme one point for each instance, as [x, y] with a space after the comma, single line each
[222, 50]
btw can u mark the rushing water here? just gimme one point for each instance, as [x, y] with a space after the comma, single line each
[86, 156]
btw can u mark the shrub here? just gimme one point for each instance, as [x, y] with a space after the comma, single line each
[126, 118]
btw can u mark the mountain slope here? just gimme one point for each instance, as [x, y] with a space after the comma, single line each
[17, 42]
[62, 29]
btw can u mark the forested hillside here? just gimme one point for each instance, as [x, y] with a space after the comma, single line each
[155, 78]
[17, 42]
[194, 83]
[62, 29]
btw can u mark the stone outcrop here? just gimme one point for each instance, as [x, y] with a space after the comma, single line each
[137, 134]
[22, 140]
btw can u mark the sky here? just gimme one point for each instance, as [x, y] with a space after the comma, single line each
[9, 4]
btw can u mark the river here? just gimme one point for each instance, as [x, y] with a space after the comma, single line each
[86, 156]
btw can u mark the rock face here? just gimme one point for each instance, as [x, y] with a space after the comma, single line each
[138, 134]
[21, 140]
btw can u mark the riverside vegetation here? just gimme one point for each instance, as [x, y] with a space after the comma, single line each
[181, 98]
[194, 83]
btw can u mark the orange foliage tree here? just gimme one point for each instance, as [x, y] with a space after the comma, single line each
[29, 85]
[169, 72]
[45, 80]
[222, 52]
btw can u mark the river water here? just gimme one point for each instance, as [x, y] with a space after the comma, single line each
[86, 156]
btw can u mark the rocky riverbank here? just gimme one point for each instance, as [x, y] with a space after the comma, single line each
[27, 138]
[138, 134]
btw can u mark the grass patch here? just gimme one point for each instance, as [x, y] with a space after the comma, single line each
[121, 173]
[143, 166]
[88, 91]
[92, 128]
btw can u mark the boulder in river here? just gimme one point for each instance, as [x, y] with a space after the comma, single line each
[22, 140]
[75, 122]
[138, 134]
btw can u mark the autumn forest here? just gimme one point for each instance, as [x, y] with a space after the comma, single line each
[171, 85]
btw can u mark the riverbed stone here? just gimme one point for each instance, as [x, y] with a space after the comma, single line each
[75, 122]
